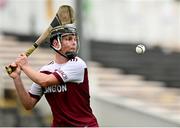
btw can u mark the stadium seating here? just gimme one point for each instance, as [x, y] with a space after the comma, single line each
[12, 114]
[155, 64]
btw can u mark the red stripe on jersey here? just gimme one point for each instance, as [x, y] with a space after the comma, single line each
[58, 77]
[46, 72]
[34, 96]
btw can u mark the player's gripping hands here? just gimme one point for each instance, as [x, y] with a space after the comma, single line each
[19, 63]
[22, 60]
[16, 74]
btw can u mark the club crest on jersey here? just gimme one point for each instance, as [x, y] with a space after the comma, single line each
[56, 88]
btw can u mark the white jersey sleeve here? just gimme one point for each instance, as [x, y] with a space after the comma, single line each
[36, 90]
[73, 71]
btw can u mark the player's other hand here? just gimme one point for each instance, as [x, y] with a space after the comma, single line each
[22, 60]
[16, 73]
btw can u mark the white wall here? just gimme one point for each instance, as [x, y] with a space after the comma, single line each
[27, 16]
[151, 21]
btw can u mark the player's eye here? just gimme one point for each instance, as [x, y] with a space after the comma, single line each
[70, 38]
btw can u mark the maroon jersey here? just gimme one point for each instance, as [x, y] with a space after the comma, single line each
[69, 101]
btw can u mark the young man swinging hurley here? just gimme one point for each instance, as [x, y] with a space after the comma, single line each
[64, 81]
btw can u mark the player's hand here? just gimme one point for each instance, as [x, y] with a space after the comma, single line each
[17, 72]
[22, 60]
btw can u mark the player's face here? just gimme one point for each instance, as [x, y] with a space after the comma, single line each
[69, 43]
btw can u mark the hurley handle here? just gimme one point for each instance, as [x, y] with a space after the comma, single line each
[10, 69]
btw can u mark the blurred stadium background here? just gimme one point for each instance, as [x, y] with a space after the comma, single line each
[126, 89]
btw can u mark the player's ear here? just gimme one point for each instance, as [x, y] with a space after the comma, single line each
[56, 44]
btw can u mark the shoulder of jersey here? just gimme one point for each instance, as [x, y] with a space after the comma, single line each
[47, 66]
[77, 60]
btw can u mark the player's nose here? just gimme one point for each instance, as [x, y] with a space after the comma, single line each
[74, 41]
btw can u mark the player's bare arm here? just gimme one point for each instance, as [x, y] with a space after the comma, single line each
[27, 101]
[42, 79]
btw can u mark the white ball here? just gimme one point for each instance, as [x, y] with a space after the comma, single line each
[140, 49]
